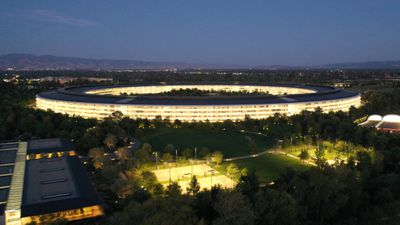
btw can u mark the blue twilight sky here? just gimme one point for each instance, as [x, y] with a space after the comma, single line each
[252, 32]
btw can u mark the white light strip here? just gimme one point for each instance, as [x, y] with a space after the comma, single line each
[17, 182]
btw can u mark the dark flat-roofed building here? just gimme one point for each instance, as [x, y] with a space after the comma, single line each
[50, 147]
[45, 188]
[8, 153]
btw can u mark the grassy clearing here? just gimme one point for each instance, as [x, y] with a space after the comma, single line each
[230, 143]
[206, 176]
[332, 151]
[267, 167]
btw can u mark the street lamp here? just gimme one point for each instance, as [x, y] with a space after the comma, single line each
[176, 156]
[212, 173]
[195, 154]
[156, 154]
[169, 166]
[191, 167]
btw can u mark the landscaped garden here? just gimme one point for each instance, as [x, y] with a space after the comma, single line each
[231, 144]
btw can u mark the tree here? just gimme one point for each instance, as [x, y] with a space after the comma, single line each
[233, 171]
[156, 211]
[122, 188]
[327, 191]
[233, 208]
[169, 148]
[252, 146]
[150, 181]
[194, 186]
[97, 154]
[275, 207]
[124, 153]
[167, 157]
[304, 155]
[110, 141]
[319, 154]
[173, 190]
[204, 151]
[143, 154]
[248, 184]
[141, 195]
[187, 152]
[217, 157]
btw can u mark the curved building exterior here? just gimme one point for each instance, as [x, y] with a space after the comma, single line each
[388, 123]
[101, 101]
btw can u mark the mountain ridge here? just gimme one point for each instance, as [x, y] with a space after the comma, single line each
[22, 61]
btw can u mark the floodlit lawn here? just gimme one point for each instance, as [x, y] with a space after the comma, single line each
[208, 182]
[206, 176]
[268, 167]
[183, 172]
[338, 151]
[230, 143]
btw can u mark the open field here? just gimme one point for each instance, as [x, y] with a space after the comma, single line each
[230, 143]
[268, 167]
[332, 151]
[206, 176]
[208, 182]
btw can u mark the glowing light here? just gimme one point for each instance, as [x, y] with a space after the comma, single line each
[391, 118]
[374, 118]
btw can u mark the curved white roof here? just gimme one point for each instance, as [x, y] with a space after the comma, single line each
[393, 118]
[374, 118]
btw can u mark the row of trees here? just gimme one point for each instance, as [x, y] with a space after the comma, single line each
[199, 92]
[343, 194]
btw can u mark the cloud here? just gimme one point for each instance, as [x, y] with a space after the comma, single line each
[56, 17]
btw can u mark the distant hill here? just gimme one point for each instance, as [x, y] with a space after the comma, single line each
[364, 65]
[361, 65]
[50, 62]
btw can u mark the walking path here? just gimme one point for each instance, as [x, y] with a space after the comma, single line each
[276, 151]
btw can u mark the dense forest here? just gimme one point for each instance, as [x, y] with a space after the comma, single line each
[362, 191]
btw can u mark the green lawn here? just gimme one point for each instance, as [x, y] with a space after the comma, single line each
[268, 167]
[340, 150]
[230, 143]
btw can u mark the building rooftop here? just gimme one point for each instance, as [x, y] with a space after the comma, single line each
[78, 94]
[56, 184]
[8, 154]
[7, 157]
[41, 186]
[49, 145]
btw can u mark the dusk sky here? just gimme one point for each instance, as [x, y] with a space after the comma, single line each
[284, 32]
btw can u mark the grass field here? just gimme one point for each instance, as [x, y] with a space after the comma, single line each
[332, 151]
[206, 176]
[268, 167]
[230, 143]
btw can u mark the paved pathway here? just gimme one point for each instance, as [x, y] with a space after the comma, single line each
[276, 151]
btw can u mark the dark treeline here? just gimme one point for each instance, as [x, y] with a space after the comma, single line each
[19, 121]
[291, 76]
[346, 194]
[199, 92]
